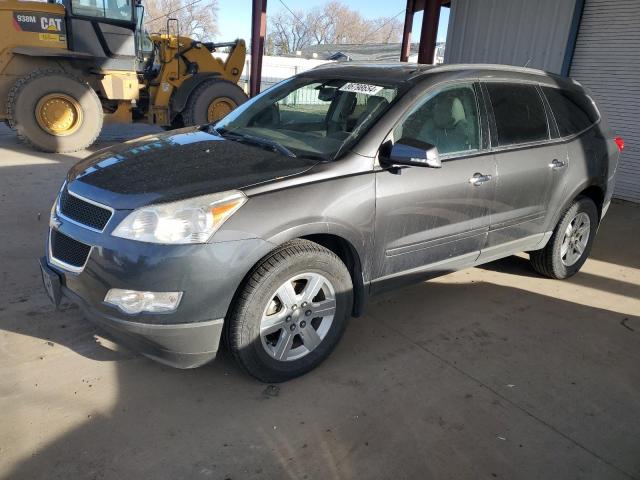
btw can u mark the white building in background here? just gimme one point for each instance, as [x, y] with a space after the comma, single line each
[275, 69]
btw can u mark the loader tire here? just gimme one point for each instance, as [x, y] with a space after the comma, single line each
[54, 111]
[211, 101]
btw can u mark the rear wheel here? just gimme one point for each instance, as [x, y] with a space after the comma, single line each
[291, 312]
[211, 101]
[54, 111]
[569, 246]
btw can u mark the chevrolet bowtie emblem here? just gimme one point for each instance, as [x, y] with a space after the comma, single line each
[54, 222]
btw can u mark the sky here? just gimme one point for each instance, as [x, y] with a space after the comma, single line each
[234, 16]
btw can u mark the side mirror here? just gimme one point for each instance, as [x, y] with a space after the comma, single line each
[413, 153]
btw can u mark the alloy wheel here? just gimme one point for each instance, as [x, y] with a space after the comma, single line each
[298, 316]
[575, 240]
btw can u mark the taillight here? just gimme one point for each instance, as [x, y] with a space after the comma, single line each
[620, 143]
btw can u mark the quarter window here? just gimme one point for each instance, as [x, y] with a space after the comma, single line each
[519, 113]
[447, 120]
[574, 112]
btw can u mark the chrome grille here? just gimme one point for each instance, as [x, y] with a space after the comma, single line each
[67, 252]
[82, 211]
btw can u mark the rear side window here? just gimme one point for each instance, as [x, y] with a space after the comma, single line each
[574, 112]
[519, 113]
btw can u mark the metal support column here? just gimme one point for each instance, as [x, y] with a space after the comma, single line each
[258, 32]
[429, 31]
[406, 33]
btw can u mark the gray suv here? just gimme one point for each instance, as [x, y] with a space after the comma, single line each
[272, 227]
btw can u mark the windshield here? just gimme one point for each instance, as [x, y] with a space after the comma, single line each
[310, 117]
[111, 9]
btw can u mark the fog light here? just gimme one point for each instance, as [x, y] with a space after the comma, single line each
[133, 301]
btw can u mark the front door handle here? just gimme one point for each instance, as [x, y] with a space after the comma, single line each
[557, 164]
[478, 179]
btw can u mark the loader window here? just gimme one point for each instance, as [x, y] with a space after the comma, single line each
[111, 9]
[143, 40]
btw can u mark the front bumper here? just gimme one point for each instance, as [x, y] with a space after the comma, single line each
[207, 274]
[184, 345]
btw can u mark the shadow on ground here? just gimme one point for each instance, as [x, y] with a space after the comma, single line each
[526, 387]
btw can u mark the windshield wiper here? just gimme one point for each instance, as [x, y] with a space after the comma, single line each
[315, 156]
[255, 140]
[268, 143]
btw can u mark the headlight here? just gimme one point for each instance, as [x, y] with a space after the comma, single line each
[133, 301]
[188, 221]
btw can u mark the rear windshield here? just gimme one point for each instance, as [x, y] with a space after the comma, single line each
[573, 111]
[312, 117]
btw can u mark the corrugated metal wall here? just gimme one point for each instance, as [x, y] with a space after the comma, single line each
[511, 32]
[607, 60]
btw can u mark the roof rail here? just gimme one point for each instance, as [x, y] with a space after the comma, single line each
[488, 66]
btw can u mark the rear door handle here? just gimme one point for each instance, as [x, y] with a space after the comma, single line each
[478, 179]
[557, 164]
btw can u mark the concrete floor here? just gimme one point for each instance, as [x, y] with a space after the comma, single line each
[492, 372]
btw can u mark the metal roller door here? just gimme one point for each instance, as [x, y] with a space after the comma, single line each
[607, 60]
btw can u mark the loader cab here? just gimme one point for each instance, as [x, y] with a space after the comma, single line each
[104, 29]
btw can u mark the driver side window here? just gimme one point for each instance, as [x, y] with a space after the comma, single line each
[447, 119]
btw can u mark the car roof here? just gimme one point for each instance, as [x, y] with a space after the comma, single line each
[402, 72]
[385, 72]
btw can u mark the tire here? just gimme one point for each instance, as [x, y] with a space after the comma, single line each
[175, 124]
[25, 97]
[551, 261]
[196, 111]
[260, 295]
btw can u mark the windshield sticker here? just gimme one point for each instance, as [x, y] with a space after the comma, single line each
[363, 88]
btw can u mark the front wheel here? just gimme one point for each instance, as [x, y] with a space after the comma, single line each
[569, 246]
[54, 111]
[291, 312]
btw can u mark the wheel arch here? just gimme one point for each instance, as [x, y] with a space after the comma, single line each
[595, 193]
[588, 189]
[350, 257]
[339, 243]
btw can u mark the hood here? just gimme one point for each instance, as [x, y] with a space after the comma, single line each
[175, 165]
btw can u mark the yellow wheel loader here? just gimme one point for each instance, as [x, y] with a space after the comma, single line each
[67, 67]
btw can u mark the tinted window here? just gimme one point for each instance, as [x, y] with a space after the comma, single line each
[448, 120]
[573, 111]
[519, 113]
